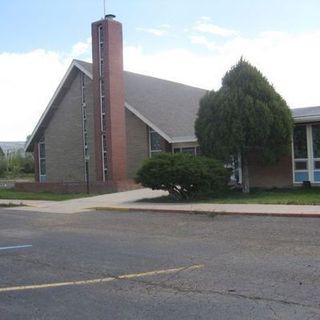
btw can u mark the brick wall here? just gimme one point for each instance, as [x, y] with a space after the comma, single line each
[137, 143]
[76, 187]
[63, 138]
[278, 175]
[114, 94]
[90, 129]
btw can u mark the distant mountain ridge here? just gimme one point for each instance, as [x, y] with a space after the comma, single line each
[11, 146]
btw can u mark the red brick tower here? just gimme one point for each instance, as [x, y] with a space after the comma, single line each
[108, 91]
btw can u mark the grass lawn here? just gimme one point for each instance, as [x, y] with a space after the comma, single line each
[11, 194]
[300, 196]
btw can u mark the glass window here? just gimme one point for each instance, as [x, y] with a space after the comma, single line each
[42, 150]
[300, 142]
[176, 150]
[100, 34]
[103, 104]
[43, 167]
[155, 141]
[84, 112]
[102, 87]
[101, 66]
[104, 142]
[317, 165]
[301, 165]
[301, 176]
[316, 140]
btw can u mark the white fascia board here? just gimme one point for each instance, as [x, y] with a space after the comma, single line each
[307, 119]
[184, 139]
[82, 69]
[72, 65]
[148, 122]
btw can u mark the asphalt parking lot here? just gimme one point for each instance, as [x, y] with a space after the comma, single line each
[131, 265]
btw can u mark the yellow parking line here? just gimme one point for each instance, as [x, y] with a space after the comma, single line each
[101, 280]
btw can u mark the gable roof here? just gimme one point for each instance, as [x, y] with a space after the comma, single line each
[167, 107]
[53, 103]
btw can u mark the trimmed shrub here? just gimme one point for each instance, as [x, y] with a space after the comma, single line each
[183, 175]
[3, 167]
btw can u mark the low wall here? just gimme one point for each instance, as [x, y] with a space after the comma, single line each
[76, 187]
[278, 175]
[6, 184]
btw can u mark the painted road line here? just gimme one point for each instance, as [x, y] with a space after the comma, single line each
[16, 247]
[101, 280]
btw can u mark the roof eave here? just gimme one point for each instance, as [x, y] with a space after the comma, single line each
[148, 122]
[74, 63]
[184, 139]
[303, 119]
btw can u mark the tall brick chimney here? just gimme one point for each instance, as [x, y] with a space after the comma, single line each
[108, 91]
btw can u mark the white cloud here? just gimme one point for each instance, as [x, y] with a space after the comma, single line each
[159, 32]
[205, 25]
[290, 62]
[204, 41]
[27, 81]
[81, 48]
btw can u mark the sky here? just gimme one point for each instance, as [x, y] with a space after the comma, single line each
[192, 42]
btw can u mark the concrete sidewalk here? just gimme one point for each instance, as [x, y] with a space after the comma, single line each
[128, 200]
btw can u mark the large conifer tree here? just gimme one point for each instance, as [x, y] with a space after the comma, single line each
[245, 116]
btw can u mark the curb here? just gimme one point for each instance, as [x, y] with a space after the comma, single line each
[221, 213]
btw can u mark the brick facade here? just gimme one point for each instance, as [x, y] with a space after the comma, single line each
[137, 143]
[109, 76]
[90, 129]
[63, 138]
[76, 187]
[278, 175]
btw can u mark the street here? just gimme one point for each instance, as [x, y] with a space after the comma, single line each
[132, 265]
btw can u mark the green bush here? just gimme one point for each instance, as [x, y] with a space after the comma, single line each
[183, 175]
[3, 166]
[27, 163]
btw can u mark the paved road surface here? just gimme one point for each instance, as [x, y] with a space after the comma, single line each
[122, 265]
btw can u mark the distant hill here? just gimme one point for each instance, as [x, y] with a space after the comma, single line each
[11, 146]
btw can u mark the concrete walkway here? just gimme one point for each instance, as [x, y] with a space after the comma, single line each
[127, 200]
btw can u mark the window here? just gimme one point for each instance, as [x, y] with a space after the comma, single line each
[102, 89]
[306, 152]
[300, 150]
[104, 157]
[84, 124]
[103, 104]
[155, 142]
[42, 160]
[300, 142]
[100, 32]
[316, 141]
[190, 150]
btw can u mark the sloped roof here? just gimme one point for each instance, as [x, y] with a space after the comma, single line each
[306, 114]
[168, 107]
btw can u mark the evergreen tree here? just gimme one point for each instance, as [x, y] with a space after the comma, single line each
[245, 116]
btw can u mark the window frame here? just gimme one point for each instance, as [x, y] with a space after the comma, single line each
[155, 151]
[310, 171]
